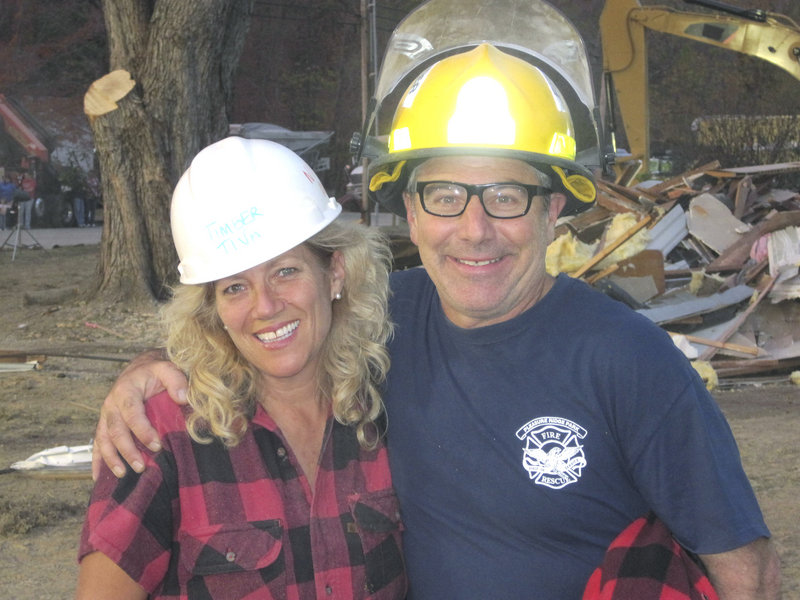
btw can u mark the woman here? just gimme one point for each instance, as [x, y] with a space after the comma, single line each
[273, 482]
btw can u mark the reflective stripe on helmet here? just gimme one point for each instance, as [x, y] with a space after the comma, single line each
[579, 186]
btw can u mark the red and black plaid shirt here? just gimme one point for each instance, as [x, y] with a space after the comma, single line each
[645, 562]
[203, 521]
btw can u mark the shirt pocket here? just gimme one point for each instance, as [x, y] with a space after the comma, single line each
[376, 519]
[234, 556]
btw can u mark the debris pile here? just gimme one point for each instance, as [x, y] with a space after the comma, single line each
[711, 256]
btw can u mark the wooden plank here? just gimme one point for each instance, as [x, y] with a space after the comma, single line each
[602, 274]
[683, 177]
[617, 203]
[740, 318]
[722, 174]
[745, 275]
[716, 344]
[20, 356]
[613, 246]
[627, 172]
[744, 191]
[586, 223]
[634, 193]
[773, 169]
[750, 366]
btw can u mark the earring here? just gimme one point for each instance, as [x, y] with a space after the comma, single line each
[338, 296]
[225, 327]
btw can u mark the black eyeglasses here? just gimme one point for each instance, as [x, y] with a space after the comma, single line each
[499, 200]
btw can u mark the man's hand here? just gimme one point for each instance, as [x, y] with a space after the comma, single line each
[751, 572]
[123, 412]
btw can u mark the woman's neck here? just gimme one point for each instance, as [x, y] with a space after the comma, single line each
[301, 414]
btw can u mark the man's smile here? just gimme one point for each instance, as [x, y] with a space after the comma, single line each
[477, 263]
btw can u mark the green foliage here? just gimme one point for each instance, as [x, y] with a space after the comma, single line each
[307, 91]
[740, 140]
[71, 176]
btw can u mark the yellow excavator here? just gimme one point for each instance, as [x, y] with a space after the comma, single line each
[769, 36]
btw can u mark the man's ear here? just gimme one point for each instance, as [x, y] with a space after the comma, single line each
[411, 216]
[557, 203]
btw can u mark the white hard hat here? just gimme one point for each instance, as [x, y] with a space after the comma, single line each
[243, 202]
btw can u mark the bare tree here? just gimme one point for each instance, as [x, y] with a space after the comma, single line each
[172, 67]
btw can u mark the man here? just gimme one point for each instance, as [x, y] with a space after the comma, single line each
[531, 419]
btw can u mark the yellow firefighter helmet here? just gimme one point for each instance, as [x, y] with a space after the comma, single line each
[482, 102]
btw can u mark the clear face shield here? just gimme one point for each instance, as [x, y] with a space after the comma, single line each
[532, 30]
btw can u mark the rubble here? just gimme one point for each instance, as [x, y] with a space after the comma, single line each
[712, 256]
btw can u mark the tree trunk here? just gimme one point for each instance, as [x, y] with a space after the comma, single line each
[167, 97]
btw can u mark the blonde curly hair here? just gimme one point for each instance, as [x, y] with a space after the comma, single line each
[222, 383]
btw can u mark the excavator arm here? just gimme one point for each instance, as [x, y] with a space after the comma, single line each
[769, 36]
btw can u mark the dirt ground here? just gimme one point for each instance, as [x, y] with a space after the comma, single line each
[40, 519]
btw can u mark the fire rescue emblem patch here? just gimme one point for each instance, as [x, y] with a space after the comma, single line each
[553, 454]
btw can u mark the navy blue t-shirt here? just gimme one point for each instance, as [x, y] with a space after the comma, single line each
[520, 450]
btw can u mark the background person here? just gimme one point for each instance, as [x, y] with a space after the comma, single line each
[79, 209]
[532, 419]
[274, 481]
[7, 189]
[92, 194]
[27, 185]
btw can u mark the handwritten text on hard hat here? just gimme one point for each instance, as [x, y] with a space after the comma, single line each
[238, 232]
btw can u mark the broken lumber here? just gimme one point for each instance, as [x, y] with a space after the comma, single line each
[612, 246]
